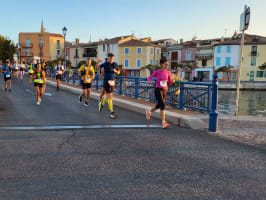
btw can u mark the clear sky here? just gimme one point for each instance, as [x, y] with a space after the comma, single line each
[109, 18]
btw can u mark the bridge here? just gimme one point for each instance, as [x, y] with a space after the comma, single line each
[64, 150]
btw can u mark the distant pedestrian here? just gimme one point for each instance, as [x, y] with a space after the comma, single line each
[59, 71]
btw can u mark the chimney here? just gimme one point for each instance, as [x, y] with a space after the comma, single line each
[77, 41]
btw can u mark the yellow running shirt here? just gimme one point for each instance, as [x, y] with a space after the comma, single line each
[87, 73]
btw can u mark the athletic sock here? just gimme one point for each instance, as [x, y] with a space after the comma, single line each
[110, 105]
[105, 100]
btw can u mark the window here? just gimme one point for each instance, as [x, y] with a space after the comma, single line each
[260, 74]
[254, 50]
[27, 42]
[158, 51]
[41, 52]
[138, 62]
[41, 42]
[103, 47]
[151, 50]
[58, 44]
[227, 75]
[220, 75]
[218, 61]
[77, 52]
[126, 63]
[228, 49]
[108, 48]
[204, 62]
[264, 74]
[233, 76]
[253, 61]
[126, 51]
[151, 62]
[157, 62]
[139, 50]
[218, 49]
[227, 61]
[27, 52]
[188, 55]
[77, 62]
[58, 53]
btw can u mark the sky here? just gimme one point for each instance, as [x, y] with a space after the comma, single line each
[159, 19]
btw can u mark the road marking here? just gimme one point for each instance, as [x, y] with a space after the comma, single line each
[78, 127]
[48, 94]
[33, 93]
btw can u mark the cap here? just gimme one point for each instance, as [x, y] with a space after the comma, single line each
[111, 55]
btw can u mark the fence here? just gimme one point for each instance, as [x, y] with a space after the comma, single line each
[189, 95]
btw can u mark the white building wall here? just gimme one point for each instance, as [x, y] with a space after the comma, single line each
[234, 55]
[114, 48]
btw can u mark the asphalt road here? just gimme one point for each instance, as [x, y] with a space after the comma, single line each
[111, 163]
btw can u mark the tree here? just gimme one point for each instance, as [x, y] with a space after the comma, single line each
[151, 67]
[52, 63]
[7, 49]
[263, 66]
[225, 69]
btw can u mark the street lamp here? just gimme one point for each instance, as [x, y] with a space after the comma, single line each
[64, 33]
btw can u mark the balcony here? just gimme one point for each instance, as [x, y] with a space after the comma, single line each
[58, 55]
[26, 45]
[58, 46]
[86, 55]
[253, 53]
[202, 56]
[76, 56]
[26, 54]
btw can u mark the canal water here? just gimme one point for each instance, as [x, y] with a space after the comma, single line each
[251, 102]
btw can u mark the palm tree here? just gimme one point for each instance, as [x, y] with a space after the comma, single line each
[263, 66]
[225, 69]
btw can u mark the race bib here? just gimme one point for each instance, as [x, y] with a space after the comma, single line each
[87, 79]
[163, 83]
[16, 67]
[111, 82]
[8, 75]
[59, 72]
[39, 79]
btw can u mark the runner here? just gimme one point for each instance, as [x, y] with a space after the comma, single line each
[7, 70]
[22, 69]
[103, 90]
[109, 69]
[44, 68]
[39, 76]
[30, 70]
[163, 76]
[87, 75]
[59, 70]
[15, 69]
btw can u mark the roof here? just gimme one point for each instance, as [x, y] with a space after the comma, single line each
[135, 42]
[114, 40]
[249, 40]
[89, 44]
[50, 34]
[161, 40]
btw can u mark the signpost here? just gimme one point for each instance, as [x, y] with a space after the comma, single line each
[244, 23]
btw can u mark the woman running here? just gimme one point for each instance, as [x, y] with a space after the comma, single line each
[163, 76]
[22, 70]
[30, 70]
[39, 76]
[44, 68]
[15, 69]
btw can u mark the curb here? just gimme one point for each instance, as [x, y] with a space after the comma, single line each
[175, 118]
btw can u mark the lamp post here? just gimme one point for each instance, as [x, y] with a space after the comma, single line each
[64, 33]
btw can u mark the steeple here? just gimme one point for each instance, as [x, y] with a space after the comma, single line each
[42, 28]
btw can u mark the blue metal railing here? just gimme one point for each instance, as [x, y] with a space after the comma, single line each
[189, 95]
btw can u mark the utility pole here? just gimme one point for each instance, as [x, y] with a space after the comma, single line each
[244, 23]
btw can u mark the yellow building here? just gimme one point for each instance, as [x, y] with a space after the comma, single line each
[135, 54]
[254, 54]
[43, 45]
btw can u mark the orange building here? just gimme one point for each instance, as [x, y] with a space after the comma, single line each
[42, 45]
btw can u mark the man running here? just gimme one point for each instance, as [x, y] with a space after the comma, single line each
[163, 76]
[87, 74]
[39, 76]
[30, 70]
[7, 70]
[109, 69]
[59, 70]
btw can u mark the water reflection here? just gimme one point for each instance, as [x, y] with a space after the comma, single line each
[250, 103]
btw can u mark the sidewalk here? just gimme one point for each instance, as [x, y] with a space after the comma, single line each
[244, 129]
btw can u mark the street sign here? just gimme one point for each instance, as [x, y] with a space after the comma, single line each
[244, 19]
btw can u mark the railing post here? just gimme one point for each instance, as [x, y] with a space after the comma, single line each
[97, 83]
[181, 97]
[121, 86]
[136, 88]
[154, 98]
[213, 115]
[73, 78]
[67, 76]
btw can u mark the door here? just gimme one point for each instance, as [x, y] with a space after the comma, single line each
[251, 75]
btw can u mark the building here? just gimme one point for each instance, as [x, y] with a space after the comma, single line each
[173, 55]
[82, 51]
[47, 46]
[112, 46]
[135, 54]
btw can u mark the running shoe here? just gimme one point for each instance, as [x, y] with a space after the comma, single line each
[148, 114]
[100, 107]
[112, 115]
[80, 99]
[165, 124]
[38, 102]
[86, 103]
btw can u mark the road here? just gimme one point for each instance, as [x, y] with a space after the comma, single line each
[115, 163]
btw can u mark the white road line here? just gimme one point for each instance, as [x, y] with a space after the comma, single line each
[77, 127]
